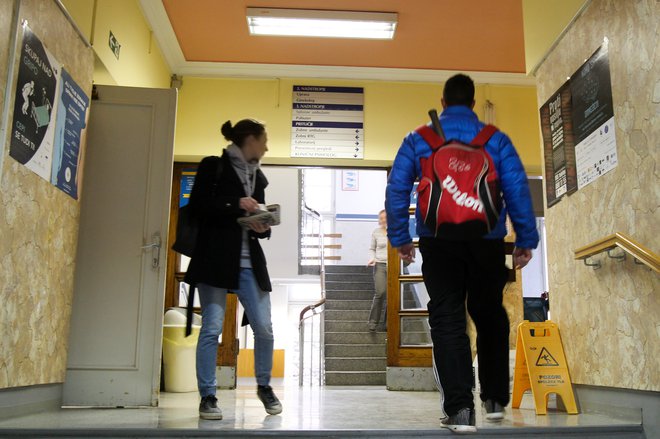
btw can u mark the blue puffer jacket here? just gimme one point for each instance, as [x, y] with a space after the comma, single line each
[461, 123]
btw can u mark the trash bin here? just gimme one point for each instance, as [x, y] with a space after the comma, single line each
[179, 351]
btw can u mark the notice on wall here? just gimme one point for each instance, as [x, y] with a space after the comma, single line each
[187, 182]
[327, 122]
[558, 145]
[37, 89]
[577, 124]
[71, 120]
[593, 118]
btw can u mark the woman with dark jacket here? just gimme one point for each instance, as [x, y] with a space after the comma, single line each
[228, 258]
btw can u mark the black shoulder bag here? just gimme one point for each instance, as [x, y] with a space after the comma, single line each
[188, 224]
[187, 230]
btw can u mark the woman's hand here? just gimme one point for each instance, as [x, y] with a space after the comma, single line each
[248, 204]
[371, 263]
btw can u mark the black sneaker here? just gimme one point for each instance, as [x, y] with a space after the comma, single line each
[272, 405]
[208, 408]
[494, 410]
[461, 422]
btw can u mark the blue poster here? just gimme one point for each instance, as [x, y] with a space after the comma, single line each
[187, 181]
[70, 123]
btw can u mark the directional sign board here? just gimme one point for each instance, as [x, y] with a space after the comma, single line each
[327, 122]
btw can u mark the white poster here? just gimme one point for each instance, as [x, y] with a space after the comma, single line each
[596, 155]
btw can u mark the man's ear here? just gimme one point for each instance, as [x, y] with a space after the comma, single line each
[444, 105]
[472, 106]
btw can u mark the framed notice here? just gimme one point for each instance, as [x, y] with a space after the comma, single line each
[350, 180]
[33, 125]
[558, 145]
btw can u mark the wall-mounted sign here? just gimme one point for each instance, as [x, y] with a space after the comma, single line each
[114, 44]
[327, 122]
[577, 124]
[593, 118]
[187, 182]
[33, 125]
[559, 145]
[69, 128]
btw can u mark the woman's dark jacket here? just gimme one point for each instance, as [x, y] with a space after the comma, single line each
[217, 256]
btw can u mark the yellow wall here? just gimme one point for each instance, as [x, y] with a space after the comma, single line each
[140, 63]
[544, 21]
[392, 109]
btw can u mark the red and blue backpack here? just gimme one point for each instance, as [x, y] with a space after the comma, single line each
[459, 193]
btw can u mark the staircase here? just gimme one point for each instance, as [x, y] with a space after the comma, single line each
[353, 355]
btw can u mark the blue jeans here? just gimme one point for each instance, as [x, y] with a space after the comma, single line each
[257, 308]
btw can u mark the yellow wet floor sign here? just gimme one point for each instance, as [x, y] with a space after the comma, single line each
[541, 366]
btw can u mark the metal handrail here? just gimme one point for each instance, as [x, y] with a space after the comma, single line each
[626, 243]
[316, 309]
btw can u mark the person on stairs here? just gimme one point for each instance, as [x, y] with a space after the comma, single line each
[378, 260]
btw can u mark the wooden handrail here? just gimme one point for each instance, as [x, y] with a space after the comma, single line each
[626, 243]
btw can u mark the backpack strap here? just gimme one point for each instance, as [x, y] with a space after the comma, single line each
[430, 136]
[484, 136]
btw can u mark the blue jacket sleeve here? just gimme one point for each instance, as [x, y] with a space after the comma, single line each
[515, 190]
[397, 195]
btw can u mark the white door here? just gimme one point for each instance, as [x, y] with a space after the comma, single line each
[116, 323]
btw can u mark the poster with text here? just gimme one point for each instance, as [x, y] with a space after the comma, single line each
[70, 124]
[558, 145]
[33, 125]
[593, 118]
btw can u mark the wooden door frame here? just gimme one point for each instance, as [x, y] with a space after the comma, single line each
[228, 348]
[411, 356]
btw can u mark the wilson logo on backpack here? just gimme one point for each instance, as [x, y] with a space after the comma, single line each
[459, 194]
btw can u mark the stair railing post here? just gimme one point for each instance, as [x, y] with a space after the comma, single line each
[301, 351]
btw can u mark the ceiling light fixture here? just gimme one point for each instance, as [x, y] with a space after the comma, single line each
[316, 23]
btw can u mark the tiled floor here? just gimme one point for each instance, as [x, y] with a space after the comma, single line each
[305, 409]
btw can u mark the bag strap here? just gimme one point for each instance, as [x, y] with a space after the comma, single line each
[430, 137]
[484, 136]
[189, 308]
[191, 291]
[218, 173]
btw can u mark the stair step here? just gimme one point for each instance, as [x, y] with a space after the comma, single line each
[355, 378]
[349, 284]
[355, 350]
[345, 326]
[347, 315]
[355, 337]
[349, 295]
[358, 269]
[337, 364]
[343, 277]
[355, 305]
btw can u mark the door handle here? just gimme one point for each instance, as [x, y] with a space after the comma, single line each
[155, 249]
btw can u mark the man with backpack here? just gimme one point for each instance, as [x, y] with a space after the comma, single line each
[470, 177]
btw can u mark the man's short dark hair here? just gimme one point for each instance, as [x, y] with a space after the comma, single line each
[459, 90]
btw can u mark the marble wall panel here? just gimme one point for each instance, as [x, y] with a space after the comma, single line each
[39, 229]
[609, 317]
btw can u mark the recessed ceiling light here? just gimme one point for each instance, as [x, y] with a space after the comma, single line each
[317, 23]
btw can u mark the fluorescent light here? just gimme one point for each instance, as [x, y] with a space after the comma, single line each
[314, 23]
